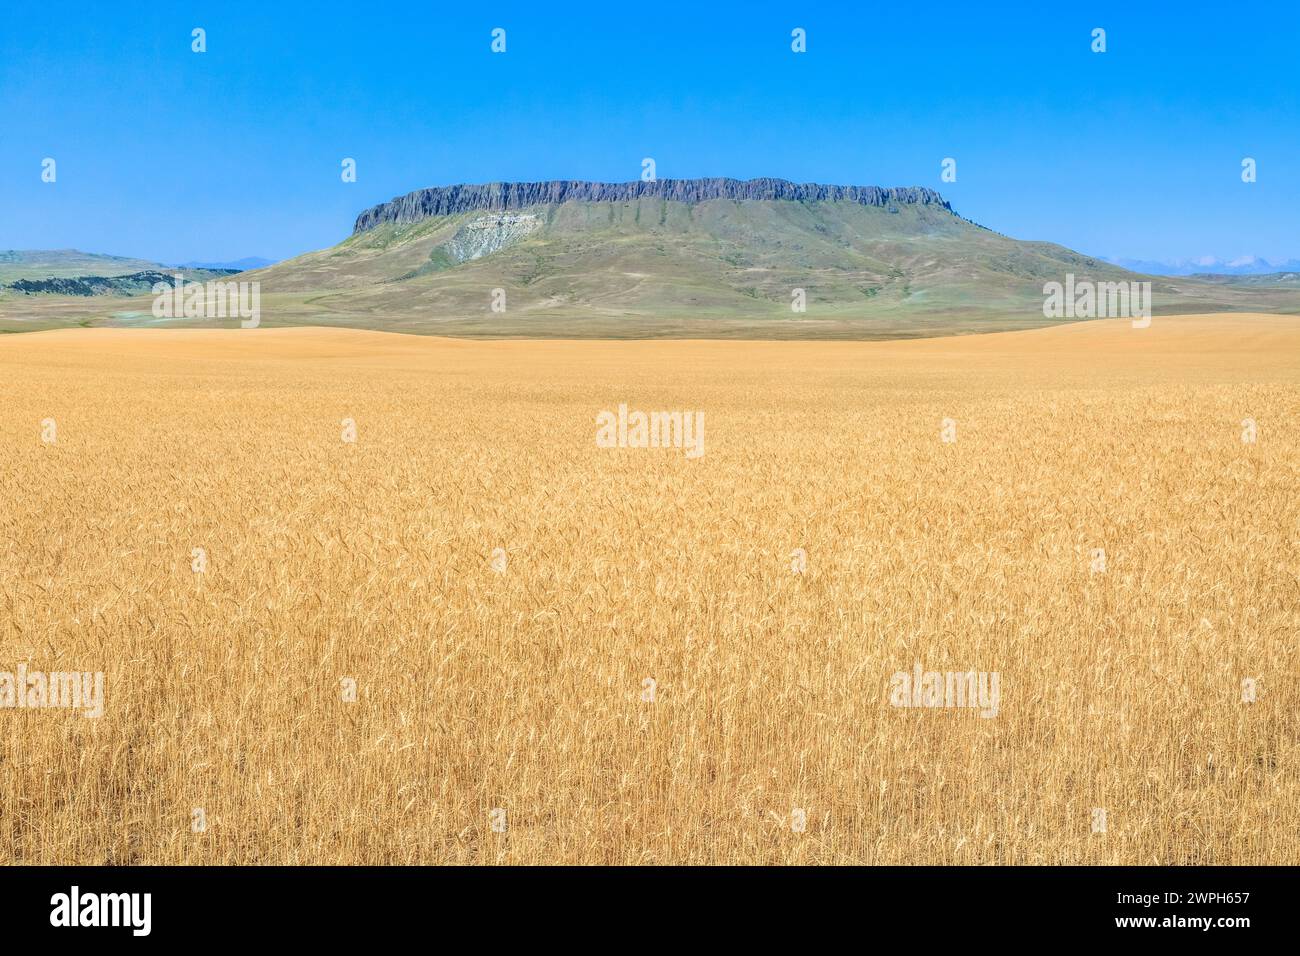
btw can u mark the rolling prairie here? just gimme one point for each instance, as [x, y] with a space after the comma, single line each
[544, 266]
[639, 675]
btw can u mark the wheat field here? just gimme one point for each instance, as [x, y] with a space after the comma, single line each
[641, 674]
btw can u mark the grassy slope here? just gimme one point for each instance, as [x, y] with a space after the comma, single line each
[30, 312]
[716, 269]
[67, 264]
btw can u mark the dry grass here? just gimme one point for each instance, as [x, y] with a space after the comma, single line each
[522, 690]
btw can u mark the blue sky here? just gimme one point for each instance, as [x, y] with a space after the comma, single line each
[171, 155]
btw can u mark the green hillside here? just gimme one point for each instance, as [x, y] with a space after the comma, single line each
[657, 266]
[16, 264]
[722, 267]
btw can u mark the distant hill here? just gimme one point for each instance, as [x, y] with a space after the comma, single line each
[70, 272]
[29, 270]
[137, 283]
[715, 257]
[1208, 265]
[712, 258]
[1267, 280]
[67, 263]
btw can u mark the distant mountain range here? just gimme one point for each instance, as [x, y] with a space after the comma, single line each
[238, 265]
[1208, 265]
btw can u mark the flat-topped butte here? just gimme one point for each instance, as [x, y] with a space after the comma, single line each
[497, 197]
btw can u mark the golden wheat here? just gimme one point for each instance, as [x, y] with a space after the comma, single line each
[768, 733]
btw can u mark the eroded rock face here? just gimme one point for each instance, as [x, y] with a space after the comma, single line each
[488, 234]
[500, 197]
